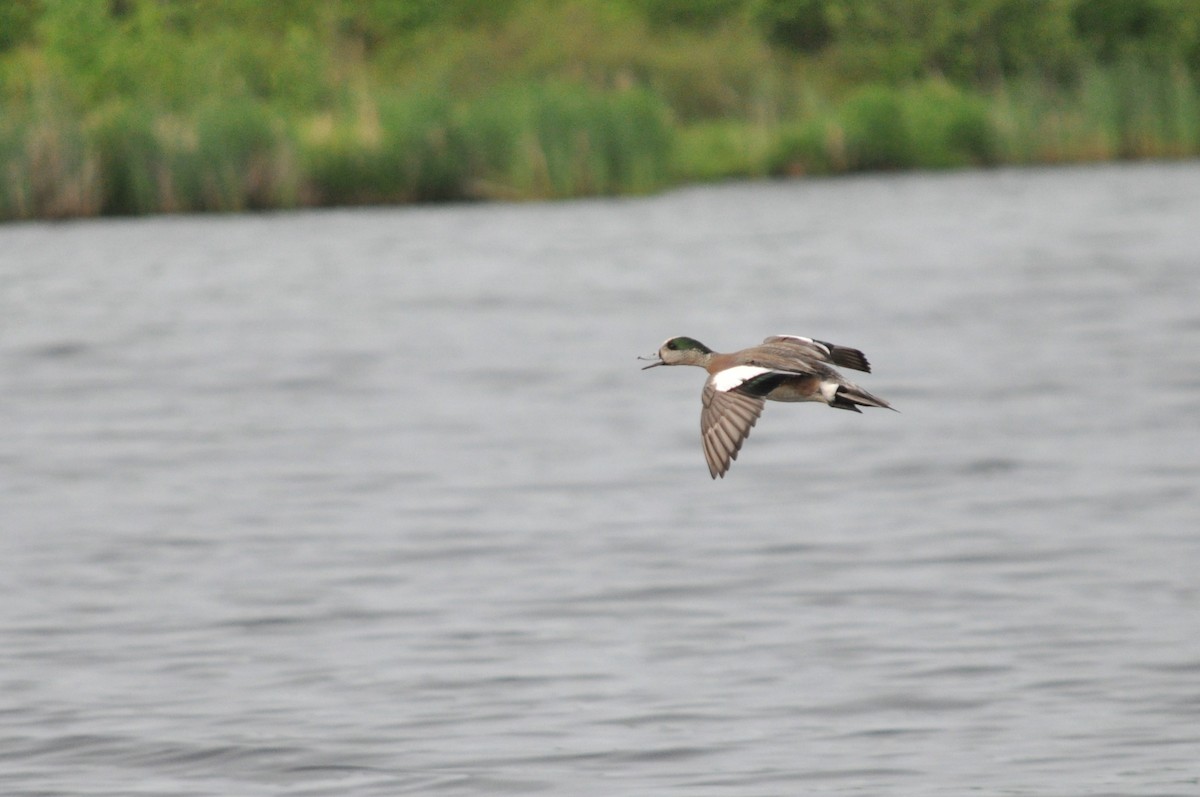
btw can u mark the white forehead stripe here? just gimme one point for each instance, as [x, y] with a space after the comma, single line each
[730, 378]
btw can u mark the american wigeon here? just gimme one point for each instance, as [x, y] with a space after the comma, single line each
[782, 368]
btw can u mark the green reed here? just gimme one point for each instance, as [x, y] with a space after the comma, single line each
[1119, 111]
[45, 170]
[559, 140]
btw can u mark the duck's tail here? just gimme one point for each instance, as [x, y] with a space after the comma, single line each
[851, 397]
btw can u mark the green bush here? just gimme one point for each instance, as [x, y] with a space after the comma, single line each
[723, 149]
[874, 131]
[949, 128]
[806, 148]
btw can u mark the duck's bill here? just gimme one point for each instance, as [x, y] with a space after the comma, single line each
[655, 357]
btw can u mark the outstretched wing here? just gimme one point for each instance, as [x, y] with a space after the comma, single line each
[725, 422]
[819, 350]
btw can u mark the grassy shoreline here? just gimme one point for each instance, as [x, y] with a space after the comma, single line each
[511, 107]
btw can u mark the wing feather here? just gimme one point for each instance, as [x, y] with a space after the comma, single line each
[818, 350]
[725, 422]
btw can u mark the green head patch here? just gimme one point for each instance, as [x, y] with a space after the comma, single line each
[686, 344]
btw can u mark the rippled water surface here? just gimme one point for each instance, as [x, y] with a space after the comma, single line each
[378, 501]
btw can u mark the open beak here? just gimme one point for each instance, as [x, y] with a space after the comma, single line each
[655, 357]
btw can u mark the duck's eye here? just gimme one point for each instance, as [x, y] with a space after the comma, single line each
[672, 345]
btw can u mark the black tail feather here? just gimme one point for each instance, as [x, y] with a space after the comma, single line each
[851, 398]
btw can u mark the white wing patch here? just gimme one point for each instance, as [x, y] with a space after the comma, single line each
[731, 378]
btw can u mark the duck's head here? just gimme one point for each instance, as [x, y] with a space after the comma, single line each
[680, 351]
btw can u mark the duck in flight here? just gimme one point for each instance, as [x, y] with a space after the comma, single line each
[782, 368]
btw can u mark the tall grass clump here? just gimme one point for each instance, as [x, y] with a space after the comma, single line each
[423, 141]
[1124, 110]
[930, 125]
[231, 155]
[45, 169]
[238, 159]
[521, 141]
[131, 159]
[1144, 112]
[14, 202]
[396, 148]
[564, 139]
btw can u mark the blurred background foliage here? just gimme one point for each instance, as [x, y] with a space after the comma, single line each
[138, 106]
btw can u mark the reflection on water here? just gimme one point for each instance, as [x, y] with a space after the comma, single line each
[379, 502]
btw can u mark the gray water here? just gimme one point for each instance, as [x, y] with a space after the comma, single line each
[377, 501]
